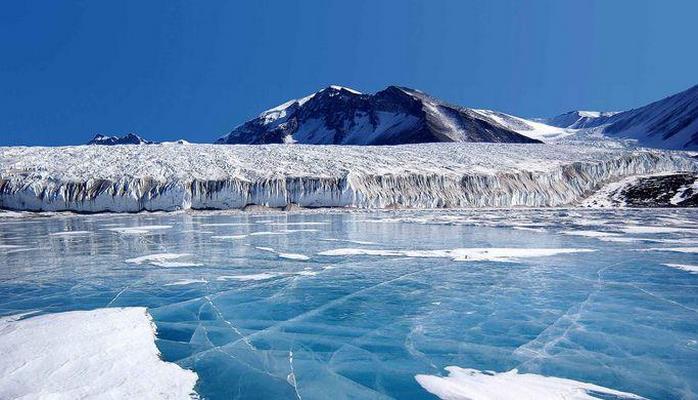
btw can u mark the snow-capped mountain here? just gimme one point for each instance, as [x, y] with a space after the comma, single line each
[670, 123]
[578, 119]
[395, 115]
[131, 138]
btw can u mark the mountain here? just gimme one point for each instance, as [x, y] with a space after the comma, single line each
[131, 138]
[670, 123]
[578, 119]
[395, 115]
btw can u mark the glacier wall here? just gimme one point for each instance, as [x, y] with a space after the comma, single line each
[187, 176]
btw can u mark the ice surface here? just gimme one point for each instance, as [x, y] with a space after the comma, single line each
[430, 175]
[471, 384]
[254, 325]
[103, 353]
[471, 254]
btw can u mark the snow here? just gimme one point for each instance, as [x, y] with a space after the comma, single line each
[138, 230]
[294, 256]
[183, 282]
[471, 384]
[681, 193]
[199, 176]
[71, 233]
[691, 269]
[100, 354]
[640, 229]
[592, 234]
[350, 90]
[465, 254]
[166, 260]
[676, 249]
[532, 129]
[250, 277]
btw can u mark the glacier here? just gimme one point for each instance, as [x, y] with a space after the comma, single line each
[436, 175]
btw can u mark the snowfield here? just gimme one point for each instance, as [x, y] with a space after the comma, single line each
[200, 176]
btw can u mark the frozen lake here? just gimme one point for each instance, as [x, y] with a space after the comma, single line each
[357, 305]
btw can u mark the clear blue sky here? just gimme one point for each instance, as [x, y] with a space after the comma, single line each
[194, 69]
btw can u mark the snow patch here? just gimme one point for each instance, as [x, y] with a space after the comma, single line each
[167, 260]
[692, 269]
[103, 353]
[471, 384]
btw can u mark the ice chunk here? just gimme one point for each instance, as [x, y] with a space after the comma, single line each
[103, 353]
[471, 384]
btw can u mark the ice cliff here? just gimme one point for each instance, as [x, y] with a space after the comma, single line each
[172, 177]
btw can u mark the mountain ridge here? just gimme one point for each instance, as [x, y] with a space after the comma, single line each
[394, 115]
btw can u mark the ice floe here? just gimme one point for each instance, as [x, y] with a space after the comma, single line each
[100, 354]
[471, 384]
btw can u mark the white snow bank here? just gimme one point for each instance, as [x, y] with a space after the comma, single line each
[100, 354]
[430, 175]
[471, 384]
[503, 254]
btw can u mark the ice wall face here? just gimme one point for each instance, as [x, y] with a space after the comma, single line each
[170, 177]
